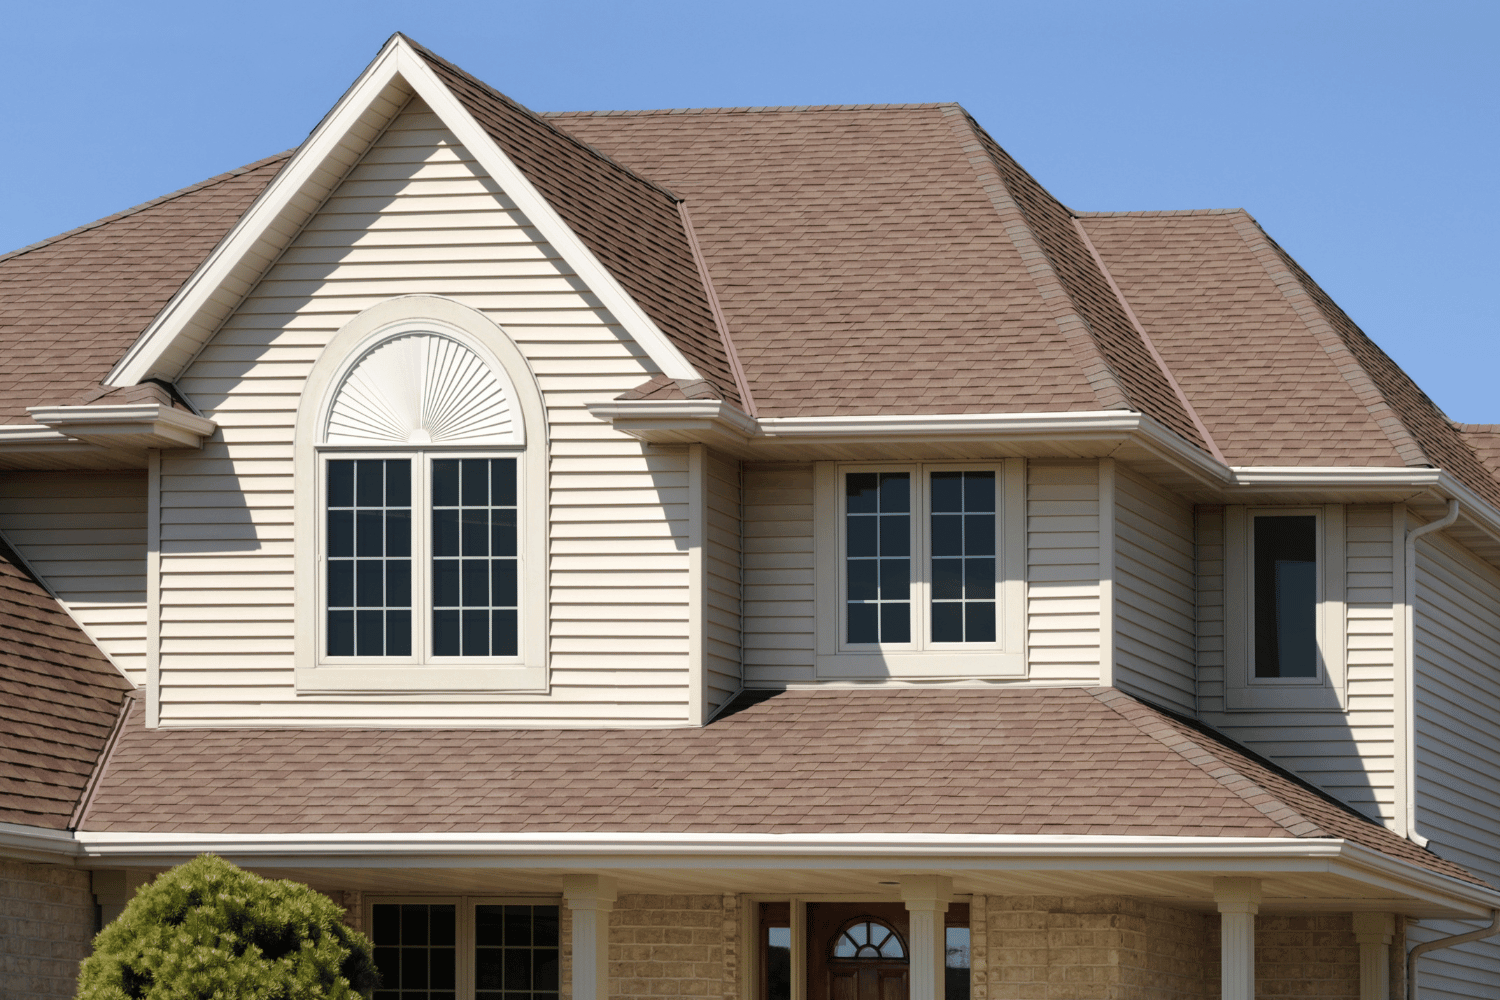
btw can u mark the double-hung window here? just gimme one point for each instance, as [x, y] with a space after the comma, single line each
[919, 570]
[427, 517]
[465, 948]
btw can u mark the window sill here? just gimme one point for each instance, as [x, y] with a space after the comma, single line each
[1304, 697]
[920, 666]
[417, 679]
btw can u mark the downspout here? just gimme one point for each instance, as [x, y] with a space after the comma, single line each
[1409, 674]
[1447, 942]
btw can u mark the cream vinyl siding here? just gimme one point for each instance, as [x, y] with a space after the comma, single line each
[1457, 645]
[1349, 754]
[1062, 572]
[1153, 594]
[779, 629]
[416, 216]
[84, 533]
[721, 583]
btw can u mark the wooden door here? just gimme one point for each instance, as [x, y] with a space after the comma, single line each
[857, 951]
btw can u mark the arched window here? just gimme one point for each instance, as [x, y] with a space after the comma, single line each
[865, 938]
[425, 513]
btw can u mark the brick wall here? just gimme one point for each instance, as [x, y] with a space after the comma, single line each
[1120, 948]
[46, 929]
[673, 946]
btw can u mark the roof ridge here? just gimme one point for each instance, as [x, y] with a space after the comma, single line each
[1481, 428]
[520, 108]
[1108, 388]
[746, 109]
[1270, 255]
[1149, 213]
[159, 200]
[1145, 718]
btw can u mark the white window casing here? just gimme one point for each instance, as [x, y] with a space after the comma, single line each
[920, 658]
[1243, 691]
[421, 378]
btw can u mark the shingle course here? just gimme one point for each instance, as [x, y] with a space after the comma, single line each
[1060, 760]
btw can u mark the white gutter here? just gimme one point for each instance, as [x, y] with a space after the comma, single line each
[1409, 673]
[1447, 942]
[34, 843]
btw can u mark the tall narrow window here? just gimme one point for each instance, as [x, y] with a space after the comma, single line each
[878, 556]
[415, 950]
[474, 586]
[1286, 596]
[369, 557]
[963, 556]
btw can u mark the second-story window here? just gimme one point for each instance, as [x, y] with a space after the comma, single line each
[920, 548]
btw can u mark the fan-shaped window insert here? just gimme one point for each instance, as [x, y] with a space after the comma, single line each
[419, 389]
[866, 938]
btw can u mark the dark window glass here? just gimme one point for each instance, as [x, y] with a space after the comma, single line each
[956, 964]
[515, 952]
[877, 549]
[368, 557]
[1286, 596]
[778, 963]
[963, 556]
[474, 558]
[414, 950]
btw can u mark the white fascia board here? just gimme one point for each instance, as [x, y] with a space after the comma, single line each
[135, 425]
[396, 60]
[32, 843]
[1335, 477]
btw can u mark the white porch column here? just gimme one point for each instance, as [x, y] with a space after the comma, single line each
[926, 898]
[590, 897]
[1374, 932]
[1239, 902]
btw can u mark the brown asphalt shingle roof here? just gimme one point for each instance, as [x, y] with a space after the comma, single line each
[59, 701]
[71, 306]
[1064, 761]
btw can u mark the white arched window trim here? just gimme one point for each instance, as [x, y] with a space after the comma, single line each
[420, 674]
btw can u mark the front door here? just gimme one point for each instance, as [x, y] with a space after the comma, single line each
[857, 951]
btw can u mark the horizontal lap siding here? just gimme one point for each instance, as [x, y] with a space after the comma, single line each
[1062, 572]
[1457, 639]
[1153, 593]
[1349, 754]
[779, 634]
[417, 216]
[85, 534]
[721, 583]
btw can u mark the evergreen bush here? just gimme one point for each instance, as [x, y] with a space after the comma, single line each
[207, 930]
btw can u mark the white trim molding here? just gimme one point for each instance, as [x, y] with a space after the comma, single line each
[397, 73]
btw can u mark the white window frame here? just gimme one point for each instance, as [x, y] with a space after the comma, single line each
[920, 659]
[421, 676]
[463, 929]
[1243, 691]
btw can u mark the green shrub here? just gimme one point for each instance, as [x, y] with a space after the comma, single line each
[207, 930]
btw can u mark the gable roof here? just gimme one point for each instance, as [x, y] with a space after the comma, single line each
[1056, 761]
[59, 702]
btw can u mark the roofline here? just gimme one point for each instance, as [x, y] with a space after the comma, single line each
[398, 58]
[748, 109]
[592, 850]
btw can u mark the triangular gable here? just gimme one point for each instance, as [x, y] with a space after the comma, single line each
[397, 74]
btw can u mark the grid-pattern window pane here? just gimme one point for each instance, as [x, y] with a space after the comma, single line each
[515, 953]
[877, 526]
[474, 586]
[369, 557]
[963, 556]
[1286, 596]
[414, 950]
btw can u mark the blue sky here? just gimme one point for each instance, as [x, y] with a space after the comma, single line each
[1362, 135]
